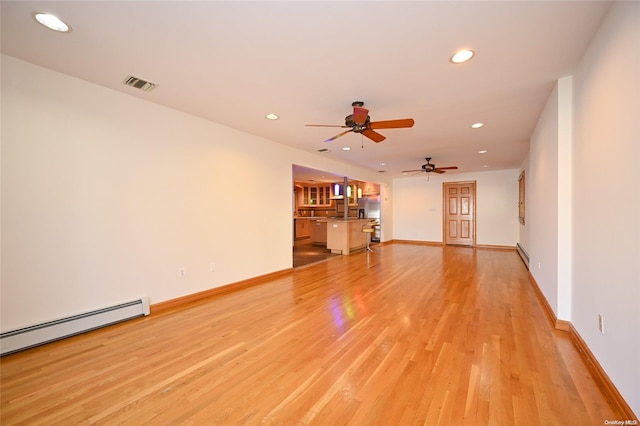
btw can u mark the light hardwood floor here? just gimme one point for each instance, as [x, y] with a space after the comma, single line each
[407, 335]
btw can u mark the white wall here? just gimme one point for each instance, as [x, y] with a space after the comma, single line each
[105, 196]
[418, 209]
[523, 230]
[583, 175]
[543, 201]
[606, 230]
[564, 202]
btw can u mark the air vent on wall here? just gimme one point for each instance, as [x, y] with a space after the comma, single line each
[139, 83]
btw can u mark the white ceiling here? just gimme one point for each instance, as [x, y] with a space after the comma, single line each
[233, 62]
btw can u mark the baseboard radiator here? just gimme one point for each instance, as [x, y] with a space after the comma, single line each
[523, 254]
[39, 334]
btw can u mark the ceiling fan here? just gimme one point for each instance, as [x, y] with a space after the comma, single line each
[428, 168]
[360, 122]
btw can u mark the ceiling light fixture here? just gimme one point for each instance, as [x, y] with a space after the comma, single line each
[51, 22]
[477, 125]
[272, 116]
[483, 151]
[462, 56]
[346, 148]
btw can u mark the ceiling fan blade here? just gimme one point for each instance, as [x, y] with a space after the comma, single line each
[374, 136]
[326, 125]
[411, 171]
[447, 168]
[439, 171]
[360, 115]
[392, 124]
[338, 135]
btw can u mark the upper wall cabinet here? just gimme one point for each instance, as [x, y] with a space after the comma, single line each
[352, 194]
[370, 189]
[315, 196]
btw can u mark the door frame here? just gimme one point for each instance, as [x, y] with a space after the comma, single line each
[444, 210]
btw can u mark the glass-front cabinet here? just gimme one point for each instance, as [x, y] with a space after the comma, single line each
[352, 194]
[316, 195]
[324, 195]
[313, 196]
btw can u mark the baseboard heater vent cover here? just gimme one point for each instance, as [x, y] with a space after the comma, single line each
[39, 334]
[523, 254]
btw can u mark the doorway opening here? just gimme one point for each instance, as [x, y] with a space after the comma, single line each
[320, 198]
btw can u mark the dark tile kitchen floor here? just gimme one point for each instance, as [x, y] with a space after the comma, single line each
[305, 253]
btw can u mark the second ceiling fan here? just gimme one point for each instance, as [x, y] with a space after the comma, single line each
[360, 122]
[428, 168]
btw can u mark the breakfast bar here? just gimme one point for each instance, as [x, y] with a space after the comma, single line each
[345, 235]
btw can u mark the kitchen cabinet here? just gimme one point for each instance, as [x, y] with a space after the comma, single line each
[352, 195]
[302, 229]
[369, 188]
[324, 195]
[305, 200]
[318, 230]
[346, 236]
[315, 195]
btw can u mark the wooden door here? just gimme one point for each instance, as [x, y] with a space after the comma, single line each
[460, 213]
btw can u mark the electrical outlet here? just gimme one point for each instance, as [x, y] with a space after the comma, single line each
[181, 272]
[601, 323]
[212, 267]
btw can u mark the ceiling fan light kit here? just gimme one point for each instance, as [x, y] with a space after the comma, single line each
[360, 122]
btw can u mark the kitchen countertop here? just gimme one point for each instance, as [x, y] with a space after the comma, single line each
[332, 218]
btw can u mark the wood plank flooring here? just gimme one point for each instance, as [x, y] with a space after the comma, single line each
[407, 335]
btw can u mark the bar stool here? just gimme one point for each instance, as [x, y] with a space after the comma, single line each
[368, 230]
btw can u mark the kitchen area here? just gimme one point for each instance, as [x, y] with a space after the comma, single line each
[329, 215]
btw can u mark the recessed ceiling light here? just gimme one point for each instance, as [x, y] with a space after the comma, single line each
[51, 22]
[485, 166]
[383, 164]
[483, 151]
[477, 125]
[272, 116]
[462, 56]
[346, 148]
